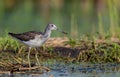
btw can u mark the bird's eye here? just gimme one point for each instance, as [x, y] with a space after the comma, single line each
[52, 25]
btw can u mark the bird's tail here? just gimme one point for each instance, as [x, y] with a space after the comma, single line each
[12, 34]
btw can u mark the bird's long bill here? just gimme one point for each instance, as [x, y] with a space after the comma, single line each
[61, 31]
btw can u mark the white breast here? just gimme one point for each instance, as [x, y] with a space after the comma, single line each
[37, 42]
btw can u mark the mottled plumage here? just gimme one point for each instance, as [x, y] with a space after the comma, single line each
[33, 38]
[26, 36]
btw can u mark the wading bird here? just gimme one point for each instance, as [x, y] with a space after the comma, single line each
[35, 39]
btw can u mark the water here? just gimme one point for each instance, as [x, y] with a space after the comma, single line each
[82, 70]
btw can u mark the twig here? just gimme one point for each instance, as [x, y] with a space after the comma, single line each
[35, 67]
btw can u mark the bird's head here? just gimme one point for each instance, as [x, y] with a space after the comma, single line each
[53, 27]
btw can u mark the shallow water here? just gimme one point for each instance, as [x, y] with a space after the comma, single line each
[73, 70]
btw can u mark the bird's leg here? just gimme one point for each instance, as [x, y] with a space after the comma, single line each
[43, 48]
[36, 56]
[29, 57]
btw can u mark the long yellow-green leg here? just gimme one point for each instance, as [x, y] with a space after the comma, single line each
[43, 48]
[36, 56]
[29, 57]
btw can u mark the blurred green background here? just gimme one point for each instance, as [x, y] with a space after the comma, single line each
[77, 17]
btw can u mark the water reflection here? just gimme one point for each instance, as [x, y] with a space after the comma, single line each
[83, 70]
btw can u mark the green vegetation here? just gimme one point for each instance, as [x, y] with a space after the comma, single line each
[93, 32]
[86, 50]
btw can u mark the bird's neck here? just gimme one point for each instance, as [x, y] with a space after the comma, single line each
[47, 33]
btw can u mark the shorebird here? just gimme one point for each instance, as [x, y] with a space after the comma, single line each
[35, 39]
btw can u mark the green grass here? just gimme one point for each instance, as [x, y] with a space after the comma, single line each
[88, 50]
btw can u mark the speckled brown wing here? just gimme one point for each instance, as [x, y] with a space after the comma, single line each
[26, 36]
